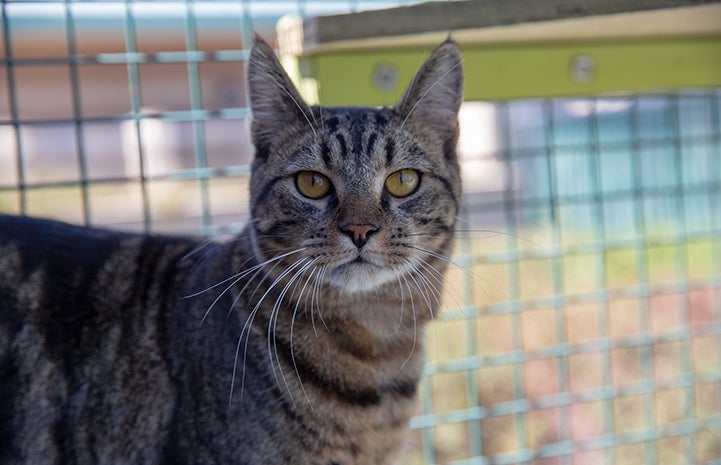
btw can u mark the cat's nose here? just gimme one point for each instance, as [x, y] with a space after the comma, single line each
[359, 232]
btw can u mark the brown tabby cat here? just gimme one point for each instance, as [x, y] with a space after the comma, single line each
[297, 342]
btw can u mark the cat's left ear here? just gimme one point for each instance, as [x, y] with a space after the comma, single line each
[434, 96]
[274, 100]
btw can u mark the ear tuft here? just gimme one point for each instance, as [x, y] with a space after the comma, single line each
[434, 96]
[274, 100]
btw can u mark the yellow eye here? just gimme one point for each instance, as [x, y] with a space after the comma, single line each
[311, 184]
[403, 183]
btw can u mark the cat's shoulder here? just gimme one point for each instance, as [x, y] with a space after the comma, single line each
[34, 229]
[47, 240]
[21, 226]
[42, 233]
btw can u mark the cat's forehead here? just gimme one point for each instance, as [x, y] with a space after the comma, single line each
[364, 138]
[347, 118]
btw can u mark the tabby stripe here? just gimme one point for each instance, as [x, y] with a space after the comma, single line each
[371, 142]
[381, 121]
[167, 284]
[276, 228]
[363, 397]
[325, 154]
[332, 125]
[343, 145]
[390, 151]
[144, 263]
[358, 397]
[313, 437]
[63, 335]
[262, 151]
[265, 191]
[449, 151]
[417, 152]
[9, 394]
[61, 428]
[446, 242]
[356, 132]
[437, 223]
[168, 453]
[447, 186]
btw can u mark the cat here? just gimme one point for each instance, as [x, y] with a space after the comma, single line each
[298, 341]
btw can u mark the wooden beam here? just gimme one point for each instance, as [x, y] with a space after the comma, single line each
[513, 50]
[456, 16]
[502, 72]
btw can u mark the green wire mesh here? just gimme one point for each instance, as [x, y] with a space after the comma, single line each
[583, 313]
[597, 338]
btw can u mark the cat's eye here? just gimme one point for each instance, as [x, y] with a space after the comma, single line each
[403, 183]
[312, 184]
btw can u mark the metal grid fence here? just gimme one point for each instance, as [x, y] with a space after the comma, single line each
[597, 337]
[584, 316]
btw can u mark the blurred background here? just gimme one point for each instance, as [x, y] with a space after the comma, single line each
[583, 313]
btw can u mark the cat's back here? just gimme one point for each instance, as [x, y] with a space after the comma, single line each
[50, 266]
[29, 245]
[81, 331]
[50, 271]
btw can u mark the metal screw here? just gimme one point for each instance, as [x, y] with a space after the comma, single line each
[385, 77]
[583, 68]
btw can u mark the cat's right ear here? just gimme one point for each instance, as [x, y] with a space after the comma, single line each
[434, 97]
[274, 100]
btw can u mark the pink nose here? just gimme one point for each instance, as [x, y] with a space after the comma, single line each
[359, 232]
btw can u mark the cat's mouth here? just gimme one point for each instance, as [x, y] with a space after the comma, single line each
[358, 274]
[363, 261]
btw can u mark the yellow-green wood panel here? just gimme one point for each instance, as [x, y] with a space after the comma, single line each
[497, 72]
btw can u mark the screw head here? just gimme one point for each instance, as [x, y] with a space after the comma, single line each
[583, 68]
[385, 77]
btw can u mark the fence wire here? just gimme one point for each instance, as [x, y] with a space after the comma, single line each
[583, 316]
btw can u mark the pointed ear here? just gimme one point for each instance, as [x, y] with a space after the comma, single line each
[435, 94]
[274, 100]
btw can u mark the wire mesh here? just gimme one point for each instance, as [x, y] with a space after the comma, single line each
[589, 344]
[583, 319]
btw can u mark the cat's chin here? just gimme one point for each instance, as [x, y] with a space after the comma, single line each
[360, 277]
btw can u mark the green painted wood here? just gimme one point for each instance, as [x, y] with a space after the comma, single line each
[524, 71]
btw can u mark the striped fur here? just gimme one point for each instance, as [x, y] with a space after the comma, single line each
[293, 343]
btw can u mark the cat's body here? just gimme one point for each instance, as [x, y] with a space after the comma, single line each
[296, 342]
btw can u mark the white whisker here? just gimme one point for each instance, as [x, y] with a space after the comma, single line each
[432, 272]
[292, 325]
[249, 270]
[316, 297]
[438, 277]
[427, 91]
[400, 318]
[246, 330]
[415, 328]
[273, 322]
[239, 277]
[302, 111]
[241, 293]
[422, 291]
[414, 80]
[465, 269]
[212, 241]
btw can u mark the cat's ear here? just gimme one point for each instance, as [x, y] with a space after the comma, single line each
[434, 96]
[274, 100]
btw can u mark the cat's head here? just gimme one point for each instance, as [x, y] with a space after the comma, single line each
[364, 196]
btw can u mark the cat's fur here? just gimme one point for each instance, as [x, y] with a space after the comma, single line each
[293, 343]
